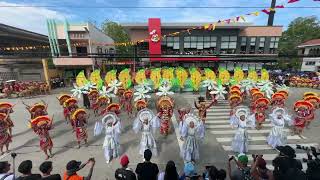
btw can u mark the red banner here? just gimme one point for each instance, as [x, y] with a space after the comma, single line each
[154, 36]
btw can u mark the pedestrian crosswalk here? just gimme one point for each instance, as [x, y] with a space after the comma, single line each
[217, 123]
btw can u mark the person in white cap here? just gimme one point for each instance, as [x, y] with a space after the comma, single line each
[192, 131]
[277, 136]
[145, 122]
[242, 120]
[111, 124]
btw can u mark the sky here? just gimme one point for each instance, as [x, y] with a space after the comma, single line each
[34, 18]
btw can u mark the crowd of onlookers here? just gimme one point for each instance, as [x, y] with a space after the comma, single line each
[23, 88]
[285, 167]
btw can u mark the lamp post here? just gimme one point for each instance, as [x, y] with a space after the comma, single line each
[271, 15]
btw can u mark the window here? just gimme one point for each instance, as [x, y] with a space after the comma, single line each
[252, 45]
[274, 42]
[228, 44]
[243, 46]
[310, 63]
[199, 44]
[170, 45]
[261, 45]
[99, 50]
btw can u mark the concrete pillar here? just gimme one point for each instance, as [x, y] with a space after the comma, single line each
[46, 72]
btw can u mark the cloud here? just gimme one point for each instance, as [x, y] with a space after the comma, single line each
[29, 18]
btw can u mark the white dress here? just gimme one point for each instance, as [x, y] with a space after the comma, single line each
[111, 143]
[147, 140]
[240, 140]
[277, 136]
[192, 136]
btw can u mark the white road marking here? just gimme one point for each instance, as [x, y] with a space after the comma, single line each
[254, 138]
[250, 131]
[219, 126]
[265, 146]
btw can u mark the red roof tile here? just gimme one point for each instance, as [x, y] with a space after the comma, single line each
[310, 43]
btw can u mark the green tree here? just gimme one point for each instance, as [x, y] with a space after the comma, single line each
[300, 30]
[119, 35]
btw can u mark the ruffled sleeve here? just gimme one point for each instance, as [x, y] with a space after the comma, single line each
[137, 125]
[98, 127]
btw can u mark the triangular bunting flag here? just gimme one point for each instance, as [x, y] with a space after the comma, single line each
[280, 6]
[292, 1]
[255, 13]
[243, 18]
[266, 11]
[237, 18]
[228, 21]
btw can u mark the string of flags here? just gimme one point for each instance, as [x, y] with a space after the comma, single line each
[209, 27]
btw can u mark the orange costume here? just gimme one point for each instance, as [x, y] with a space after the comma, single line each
[165, 106]
[202, 108]
[278, 100]
[113, 107]
[38, 109]
[62, 99]
[5, 137]
[93, 96]
[79, 124]
[260, 107]
[128, 101]
[71, 106]
[6, 108]
[101, 103]
[41, 125]
[304, 112]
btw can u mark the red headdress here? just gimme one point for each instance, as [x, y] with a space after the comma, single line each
[71, 101]
[278, 96]
[253, 90]
[77, 113]
[262, 102]
[37, 106]
[63, 98]
[284, 92]
[140, 104]
[302, 104]
[235, 87]
[235, 92]
[128, 93]
[113, 107]
[40, 120]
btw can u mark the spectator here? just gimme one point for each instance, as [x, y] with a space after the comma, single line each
[74, 166]
[46, 168]
[259, 169]
[212, 173]
[242, 171]
[285, 165]
[25, 168]
[189, 171]
[124, 173]
[147, 170]
[4, 169]
[170, 172]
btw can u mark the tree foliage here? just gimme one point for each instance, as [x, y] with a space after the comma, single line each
[300, 30]
[119, 35]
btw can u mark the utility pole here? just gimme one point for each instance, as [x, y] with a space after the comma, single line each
[271, 15]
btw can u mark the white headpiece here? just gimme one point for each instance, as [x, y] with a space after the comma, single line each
[145, 114]
[242, 112]
[110, 117]
[191, 118]
[278, 111]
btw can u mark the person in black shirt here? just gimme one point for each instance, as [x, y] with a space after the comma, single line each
[147, 170]
[25, 169]
[46, 168]
[124, 173]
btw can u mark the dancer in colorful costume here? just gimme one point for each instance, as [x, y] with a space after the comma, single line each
[113, 107]
[112, 126]
[242, 120]
[6, 108]
[62, 99]
[145, 122]
[165, 106]
[278, 100]
[93, 97]
[254, 96]
[101, 103]
[303, 110]
[71, 106]
[260, 107]
[202, 108]
[193, 131]
[38, 109]
[234, 101]
[5, 137]
[128, 95]
[165, 112]
[315, 101]
[277, 135]
[120, 94]
[140, 104]
[41, 125]
[79, 124]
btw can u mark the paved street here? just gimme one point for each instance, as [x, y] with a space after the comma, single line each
[215, 148]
